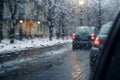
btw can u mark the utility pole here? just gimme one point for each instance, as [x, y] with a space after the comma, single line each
[1, 18]
[81, 3]
[20, 31]
[81, 18]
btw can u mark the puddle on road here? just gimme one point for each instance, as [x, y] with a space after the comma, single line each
[79, 70]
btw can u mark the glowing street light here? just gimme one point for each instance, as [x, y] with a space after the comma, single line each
[21, 21]
[38, 22]
[38, 26]
[81, 2]
[20, 30]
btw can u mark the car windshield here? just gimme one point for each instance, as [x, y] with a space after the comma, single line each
[84, 30]
[39, 39]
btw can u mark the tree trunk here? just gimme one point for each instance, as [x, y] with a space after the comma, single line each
[20, 34]
[50, 32]
[99, 16]
[13, 10]
[12, 32]
[1, 19]
[12, 35]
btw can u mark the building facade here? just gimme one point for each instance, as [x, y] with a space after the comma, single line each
[30, 17]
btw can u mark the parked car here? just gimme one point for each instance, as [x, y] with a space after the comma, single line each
[83, 37]
[98, 45]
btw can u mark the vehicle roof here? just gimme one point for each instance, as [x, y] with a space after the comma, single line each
[109, 24]
[105, 28]
[85, 27]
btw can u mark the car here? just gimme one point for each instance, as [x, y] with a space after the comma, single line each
[108, 66]
[83, 37]
[98, 45]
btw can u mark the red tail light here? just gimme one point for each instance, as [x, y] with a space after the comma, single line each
[73, 36]
[92, 36]
[97, 41]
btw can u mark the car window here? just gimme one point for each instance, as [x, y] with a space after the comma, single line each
[85, 30]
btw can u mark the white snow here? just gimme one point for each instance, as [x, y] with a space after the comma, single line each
[5, 46]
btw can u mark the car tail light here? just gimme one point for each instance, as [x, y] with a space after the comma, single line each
[73, 36]
[92, 36]
[97, 41]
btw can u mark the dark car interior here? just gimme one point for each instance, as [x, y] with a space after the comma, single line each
[108, 67]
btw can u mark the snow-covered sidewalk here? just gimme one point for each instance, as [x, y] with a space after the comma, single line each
[25, 44]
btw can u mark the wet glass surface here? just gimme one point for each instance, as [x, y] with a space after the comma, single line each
[38, 39]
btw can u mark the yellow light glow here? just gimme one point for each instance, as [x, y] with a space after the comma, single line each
[21, 21]
[38, 22]
[81, 2]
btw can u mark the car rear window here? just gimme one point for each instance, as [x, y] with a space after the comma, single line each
[105, 28]
[84, 30]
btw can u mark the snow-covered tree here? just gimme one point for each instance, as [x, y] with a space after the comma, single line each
[13, 10]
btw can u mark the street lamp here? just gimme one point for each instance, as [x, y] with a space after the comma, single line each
[21, 32]
[38, 22]
[81, 3]
[38, 26]
[21, 21]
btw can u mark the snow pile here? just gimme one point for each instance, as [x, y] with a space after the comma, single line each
[29, 43]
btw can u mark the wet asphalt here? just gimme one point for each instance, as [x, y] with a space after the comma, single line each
[50, 63]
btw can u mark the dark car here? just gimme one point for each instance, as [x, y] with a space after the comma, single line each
[83, 37]
[98, 44]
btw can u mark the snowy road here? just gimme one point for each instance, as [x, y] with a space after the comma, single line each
[57, 63]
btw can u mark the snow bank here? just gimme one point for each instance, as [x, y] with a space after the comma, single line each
[5, 46]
